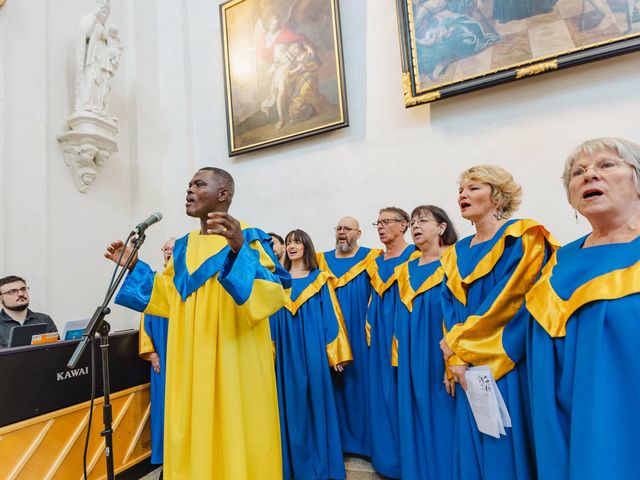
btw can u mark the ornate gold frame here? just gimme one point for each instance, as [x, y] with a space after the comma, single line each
[342, 120]
[415, 94]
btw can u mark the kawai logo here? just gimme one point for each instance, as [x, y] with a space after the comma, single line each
[76, 372]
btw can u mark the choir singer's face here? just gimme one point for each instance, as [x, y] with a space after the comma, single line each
[347, 234]
[474, 200]
[202, 194]
[295, 249]
[425, 230]
[602, 184]
[167, 251]
[278, 248]
[390, 227]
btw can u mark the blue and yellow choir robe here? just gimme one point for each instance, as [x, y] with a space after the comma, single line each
[426, 411]
[309, 337]
[221, 413]
[485, 324]
[584, 348]
[153, 339]
[383, 379]
[351, 387]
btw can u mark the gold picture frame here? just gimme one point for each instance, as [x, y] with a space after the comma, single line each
[450, 47]
[284, 74]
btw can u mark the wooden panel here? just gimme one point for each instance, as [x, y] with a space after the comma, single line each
[51, 446]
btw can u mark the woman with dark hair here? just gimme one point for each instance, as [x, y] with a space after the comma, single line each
[584, 341]
[486, 278]
[426, 411]
[309, 336]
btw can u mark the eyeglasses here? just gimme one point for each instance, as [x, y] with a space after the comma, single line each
[386, 221]
[15, 291]
[341, 228]
[421, 222]
[167, 249]
[604, 166]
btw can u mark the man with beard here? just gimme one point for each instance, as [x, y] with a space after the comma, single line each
[348, 264]
[14, 296]
[218, 290]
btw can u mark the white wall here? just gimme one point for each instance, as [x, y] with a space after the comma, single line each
[169, 97]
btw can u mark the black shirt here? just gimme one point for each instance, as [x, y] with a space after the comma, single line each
[7, 323]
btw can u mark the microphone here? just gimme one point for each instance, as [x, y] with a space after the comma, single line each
[141, 227]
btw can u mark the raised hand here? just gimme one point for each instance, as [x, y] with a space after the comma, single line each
[114, 250]
[221, 223]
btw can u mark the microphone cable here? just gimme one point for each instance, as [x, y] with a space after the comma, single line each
[93, 396]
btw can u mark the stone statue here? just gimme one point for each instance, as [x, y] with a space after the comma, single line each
[97, 58]
[91, 136]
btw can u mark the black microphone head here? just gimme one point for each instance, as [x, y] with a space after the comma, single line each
[150, 220]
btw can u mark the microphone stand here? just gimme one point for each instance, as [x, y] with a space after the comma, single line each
[98, 325]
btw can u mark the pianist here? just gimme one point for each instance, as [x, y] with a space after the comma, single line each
[14, 297]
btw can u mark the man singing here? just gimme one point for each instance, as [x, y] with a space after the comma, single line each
[348, 263]
[221, 284]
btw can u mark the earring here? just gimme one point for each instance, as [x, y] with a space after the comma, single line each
[497, 216]
[575, 212]
[472, 224]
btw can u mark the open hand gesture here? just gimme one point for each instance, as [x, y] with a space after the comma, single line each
[221, 223]
[114, 250]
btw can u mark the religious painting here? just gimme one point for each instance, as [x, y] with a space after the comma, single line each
[284, 76]
[451, 47]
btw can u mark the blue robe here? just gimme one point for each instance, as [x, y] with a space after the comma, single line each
[351, 387]
[485, 321]
[584, 348]
[309, 336]
[153, 339]
[383, 379]
[426, 411]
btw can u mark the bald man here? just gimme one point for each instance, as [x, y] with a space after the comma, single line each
[348, 263]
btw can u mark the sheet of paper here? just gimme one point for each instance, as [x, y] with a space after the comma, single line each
[504, 413]
[486, 402]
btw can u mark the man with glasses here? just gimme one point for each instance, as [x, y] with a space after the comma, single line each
[391, 225]
[153, 348]
[14, 295]
[348, 264]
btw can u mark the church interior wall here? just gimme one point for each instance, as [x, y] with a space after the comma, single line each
[168, 95]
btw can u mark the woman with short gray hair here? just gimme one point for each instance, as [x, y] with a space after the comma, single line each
[585, 341]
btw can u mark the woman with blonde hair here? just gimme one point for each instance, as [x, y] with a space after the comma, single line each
[585, 341]
[486, 278]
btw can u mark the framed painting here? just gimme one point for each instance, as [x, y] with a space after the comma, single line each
[284, 74]
[451, 47]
